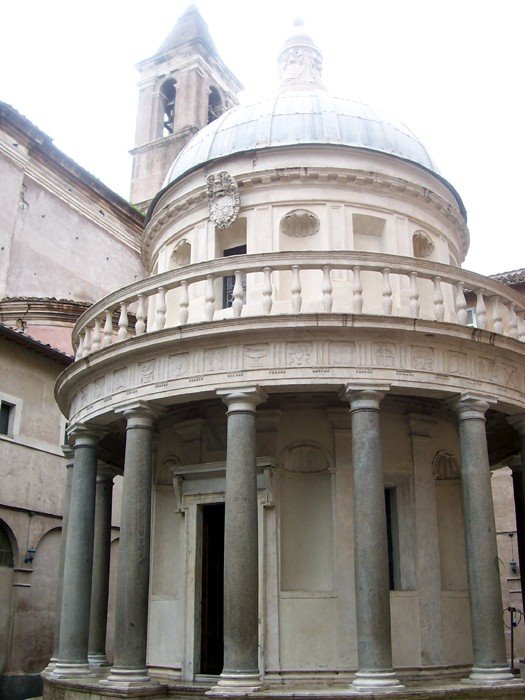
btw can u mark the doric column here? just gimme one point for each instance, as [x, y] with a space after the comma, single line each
[78, 559]
[518, 482]
[101, 559]
[372, 590]
[134, 550]
[69, 455]
[486, 609]
[241, 575]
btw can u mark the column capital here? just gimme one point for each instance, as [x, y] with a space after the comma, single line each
[242, 399]
[85, 435]
[69, 454]
[470, 406]
[139, 414]
[518, 422]
[364, 398]
[105, 472]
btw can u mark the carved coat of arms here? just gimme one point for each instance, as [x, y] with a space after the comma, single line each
[223, 198]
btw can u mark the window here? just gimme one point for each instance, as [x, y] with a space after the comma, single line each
[7, 413]
[214, 105]
[6, 551]
[471, 317]
[228, 282]
[168, 93]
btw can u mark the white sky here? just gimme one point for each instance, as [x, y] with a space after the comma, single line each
[452, 71]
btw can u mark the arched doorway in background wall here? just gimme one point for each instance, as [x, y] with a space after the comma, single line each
[6, 589]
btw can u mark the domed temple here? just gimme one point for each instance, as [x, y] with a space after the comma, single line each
[298, 398]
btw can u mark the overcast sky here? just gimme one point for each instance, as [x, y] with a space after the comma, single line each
[452, 71]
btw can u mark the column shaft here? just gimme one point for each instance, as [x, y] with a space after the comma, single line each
[78, 562]
[518, 483]
[490, 662]
[134, 552]
[241, 573]
[101, 561]
[69, 454]
[374, 646]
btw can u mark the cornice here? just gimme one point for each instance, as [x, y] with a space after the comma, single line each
[56, 184]
[355, 180]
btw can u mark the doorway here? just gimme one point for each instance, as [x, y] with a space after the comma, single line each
[212, 588]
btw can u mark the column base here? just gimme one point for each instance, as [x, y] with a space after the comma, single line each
[98, 660]
[376, 681]
[66, 669]
[51, 665]
[490, 676]
[237, 684]
[127, 678]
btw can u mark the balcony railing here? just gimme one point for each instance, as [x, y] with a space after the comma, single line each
[303, 282]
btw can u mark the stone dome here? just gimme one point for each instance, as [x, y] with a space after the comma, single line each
[293, 117]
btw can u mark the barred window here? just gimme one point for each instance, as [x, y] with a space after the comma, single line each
[6, 551]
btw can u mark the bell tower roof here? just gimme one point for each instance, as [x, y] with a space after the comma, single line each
[190, 29]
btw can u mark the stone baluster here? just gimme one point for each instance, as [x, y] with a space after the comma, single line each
[134, 561]
[461, 304]
[101, 560]
[413, 295]
[327, 290]
[78, 561]
[387, 292]
[238, 294]
[184, 302]
[297, 299]
[123, 321]
[96, 336]
[241, 576]
[439, 310]
[140, 325]
[357, 291]
[497, 317]
[267, 291]
[486, 611]
[108, 328]
[160, 309]
[513, 321]
[521, 327]
[86, 348]
[481, 311]
[80, 347]
[209, 299]
[374, 644]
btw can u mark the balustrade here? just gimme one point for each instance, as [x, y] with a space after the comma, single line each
[385, 285]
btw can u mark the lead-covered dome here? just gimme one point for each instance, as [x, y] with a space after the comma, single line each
[299, 117]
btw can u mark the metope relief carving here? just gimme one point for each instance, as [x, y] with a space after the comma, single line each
[223, 199]
[178, 365]
[216, 360]
[485, 369]
[255, 354]
[99, 386]
[147, 371]
[509, 375]
[299, 354]
[422, 359]
[120, 379]
[456, 363]
[342, 354]
[384, 354]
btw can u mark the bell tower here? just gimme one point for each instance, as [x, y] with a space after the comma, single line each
[183, 87]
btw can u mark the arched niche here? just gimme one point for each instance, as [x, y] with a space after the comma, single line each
[306, 518]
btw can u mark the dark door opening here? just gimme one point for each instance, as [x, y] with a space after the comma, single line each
[212, 606]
